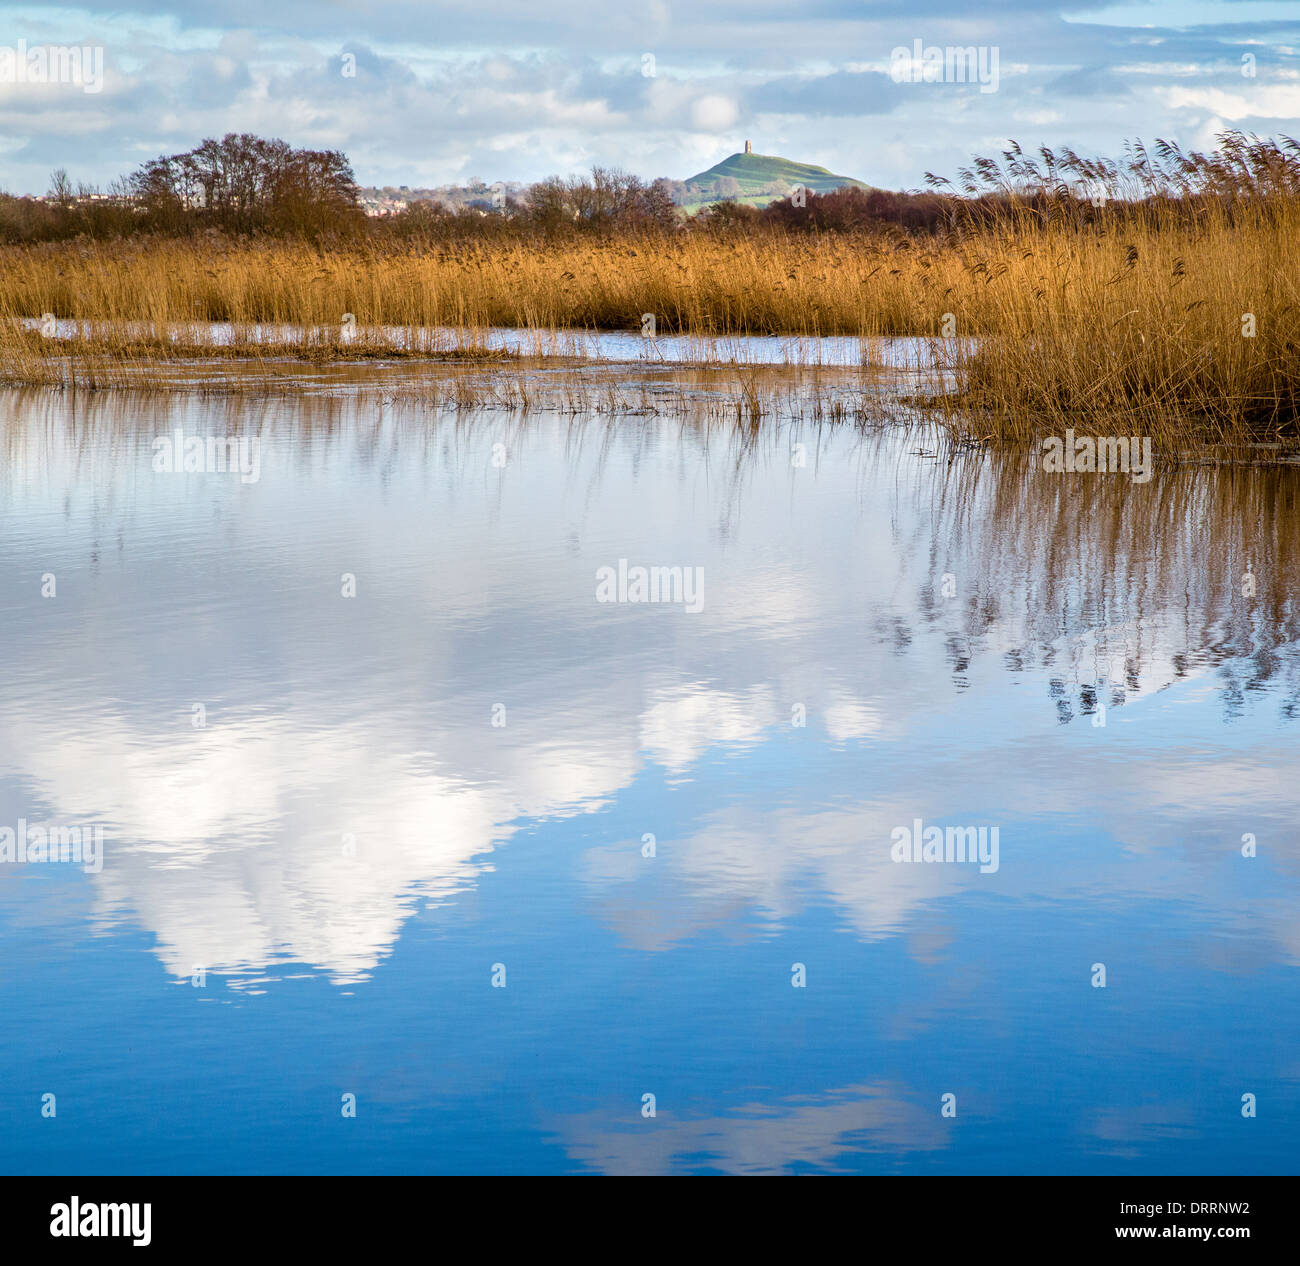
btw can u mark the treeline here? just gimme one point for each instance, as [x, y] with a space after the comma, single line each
[244, 185]
[616, 203]
[846, 210]
[241, 184]
[607, 201]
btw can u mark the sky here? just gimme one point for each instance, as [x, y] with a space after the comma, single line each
[426, 94]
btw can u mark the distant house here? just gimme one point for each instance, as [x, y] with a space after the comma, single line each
[382, 206]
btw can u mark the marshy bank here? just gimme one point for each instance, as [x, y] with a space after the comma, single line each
[512, 382]
[865, 383]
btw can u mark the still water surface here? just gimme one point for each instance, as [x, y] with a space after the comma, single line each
[350, 849]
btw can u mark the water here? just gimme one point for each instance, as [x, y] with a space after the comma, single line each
[598, 346]
[347, 849]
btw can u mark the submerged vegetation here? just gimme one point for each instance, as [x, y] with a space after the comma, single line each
[1153, 295]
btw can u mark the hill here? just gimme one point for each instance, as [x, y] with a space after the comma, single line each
[758, 178]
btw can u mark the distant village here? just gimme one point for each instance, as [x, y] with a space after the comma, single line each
[476, 196]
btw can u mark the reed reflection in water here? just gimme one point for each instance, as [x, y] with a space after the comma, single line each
[891, 631]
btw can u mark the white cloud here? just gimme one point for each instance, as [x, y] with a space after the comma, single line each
[714, 113]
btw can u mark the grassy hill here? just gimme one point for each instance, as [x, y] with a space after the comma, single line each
[756, 179]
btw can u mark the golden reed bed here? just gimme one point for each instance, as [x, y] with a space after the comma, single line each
[1155, 323]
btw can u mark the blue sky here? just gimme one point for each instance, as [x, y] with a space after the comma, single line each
[520, 89]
